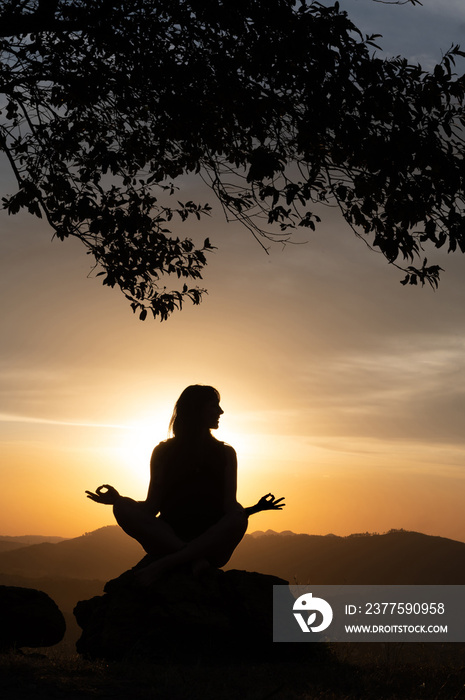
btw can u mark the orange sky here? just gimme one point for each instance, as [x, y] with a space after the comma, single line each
[342, 390]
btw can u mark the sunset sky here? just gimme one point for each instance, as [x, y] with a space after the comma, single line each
[343, 390]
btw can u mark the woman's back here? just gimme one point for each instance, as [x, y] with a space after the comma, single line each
[191, 483]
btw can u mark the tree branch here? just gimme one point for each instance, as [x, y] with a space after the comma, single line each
[399, 2]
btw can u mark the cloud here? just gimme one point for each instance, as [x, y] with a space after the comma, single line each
[12, 418]
[413, 389]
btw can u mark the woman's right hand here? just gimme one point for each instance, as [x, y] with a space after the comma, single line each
[108, 497]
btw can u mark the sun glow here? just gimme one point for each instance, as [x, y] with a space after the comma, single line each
[245, 445]
[136, 445]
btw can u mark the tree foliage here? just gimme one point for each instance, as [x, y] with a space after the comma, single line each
[278, 106]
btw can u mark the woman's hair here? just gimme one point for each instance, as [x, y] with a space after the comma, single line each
[188, 412]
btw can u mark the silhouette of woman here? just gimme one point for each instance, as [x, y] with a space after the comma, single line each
[191, 514]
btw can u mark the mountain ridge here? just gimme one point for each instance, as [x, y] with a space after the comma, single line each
[397, 557]
[394, 557]
[10, 542]
[99, 554]
[32, 539]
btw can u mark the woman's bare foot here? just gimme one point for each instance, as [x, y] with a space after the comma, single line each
[154, 571]
[151, 573]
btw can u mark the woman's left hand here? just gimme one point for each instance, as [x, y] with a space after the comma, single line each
[269, 502]
[108, 497]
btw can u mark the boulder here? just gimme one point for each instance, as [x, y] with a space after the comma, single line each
[29, 618]
[220, 614]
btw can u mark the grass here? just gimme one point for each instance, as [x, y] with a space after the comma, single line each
[350, 672]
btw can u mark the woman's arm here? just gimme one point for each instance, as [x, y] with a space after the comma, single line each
[230, 481]
[268, 502]
[154, 493]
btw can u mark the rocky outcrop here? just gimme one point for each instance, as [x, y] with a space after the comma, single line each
[221, 613]
[29, 618]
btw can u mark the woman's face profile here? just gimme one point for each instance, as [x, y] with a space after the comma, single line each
[211, 413]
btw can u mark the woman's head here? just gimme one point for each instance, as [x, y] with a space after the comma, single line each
[197, 410]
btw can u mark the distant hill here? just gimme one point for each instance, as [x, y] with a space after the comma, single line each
[8, 543]
[31, 539]
[102, 554]
[397, 557]
[394, 558]
[6, 546]
[260, 533]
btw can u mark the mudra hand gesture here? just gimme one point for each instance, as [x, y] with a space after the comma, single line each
[269, 502]
[108, 497]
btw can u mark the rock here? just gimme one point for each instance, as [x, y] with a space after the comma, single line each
[222, 613]
[29, 618]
